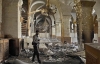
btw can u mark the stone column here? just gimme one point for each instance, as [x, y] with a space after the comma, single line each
[87, 21]
[10, 18]
[58, 30]
[0, 11]
[99, 30]
[0, 17]
[78, 9]
[53, 31]
[66, 28]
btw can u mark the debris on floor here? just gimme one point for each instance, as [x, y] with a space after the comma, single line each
[54, 53]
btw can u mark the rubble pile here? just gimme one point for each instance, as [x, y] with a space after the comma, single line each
[57, 53]
[62, 54]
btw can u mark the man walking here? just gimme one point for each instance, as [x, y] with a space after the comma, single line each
[35, 44]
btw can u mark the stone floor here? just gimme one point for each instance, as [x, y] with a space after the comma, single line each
[44, 60]
[53, 53]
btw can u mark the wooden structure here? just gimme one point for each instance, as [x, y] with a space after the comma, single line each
[92, 51]
[4, 49]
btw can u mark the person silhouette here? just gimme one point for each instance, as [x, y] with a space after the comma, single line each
[35, 44]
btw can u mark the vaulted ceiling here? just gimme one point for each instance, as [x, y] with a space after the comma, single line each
[63, 6]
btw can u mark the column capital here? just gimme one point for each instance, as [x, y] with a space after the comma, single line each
[87, 3]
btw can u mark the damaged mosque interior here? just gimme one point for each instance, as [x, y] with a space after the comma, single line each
[69, 31]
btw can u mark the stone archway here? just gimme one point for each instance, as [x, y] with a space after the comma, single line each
[41, 21]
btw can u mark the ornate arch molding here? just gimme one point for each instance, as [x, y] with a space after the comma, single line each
[37, 2]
